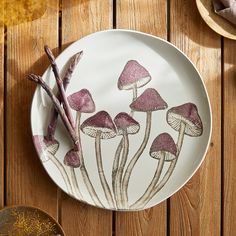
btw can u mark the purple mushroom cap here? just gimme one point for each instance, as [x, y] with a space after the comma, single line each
[163, 144]
[132, 75]
[187, 113]
[149, 100]
[101, 123]
[125, 123]
[82, 101]
[43, 146]
[72, 159]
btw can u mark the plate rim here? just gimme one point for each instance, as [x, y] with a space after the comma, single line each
[208, 105]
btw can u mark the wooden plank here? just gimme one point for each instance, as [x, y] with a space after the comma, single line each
[135, 15]
[138, 15]
[80, 18]
[27, 182]
[229, 177]
[1, 116]
[195, 210]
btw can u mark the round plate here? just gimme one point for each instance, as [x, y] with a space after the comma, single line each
[26, 220]
[164, 139]
[214, 21]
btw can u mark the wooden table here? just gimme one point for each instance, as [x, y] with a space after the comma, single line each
[206, 205]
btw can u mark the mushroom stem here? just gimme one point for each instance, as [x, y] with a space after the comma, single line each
[89, 185]
[62, 170]
[116, 165]
[135, 92]
[59, 85]
[102, 177]
[170, 169]
[157, 175]
[180, 137]
[83, 169]
[118, 182]
[53, 122]
[75, 183]
[135, 158]
[77, 128]
[116, 161]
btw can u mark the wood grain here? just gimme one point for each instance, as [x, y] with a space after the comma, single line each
[80, 18]
[27, 182]
[83, 17]
[139, 15]
[229, 177]
[1, 116]
[196, 209]
[148, 16]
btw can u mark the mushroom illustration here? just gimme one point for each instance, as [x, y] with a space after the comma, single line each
[125, 125]
[186, 120]
[82, 102]
[163, 149]
[46, 150]
[71, 159]
[100, 126]
[132, 77]
[62, 107]
[44, 146]
[149, 101]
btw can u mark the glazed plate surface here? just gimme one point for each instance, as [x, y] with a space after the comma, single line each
[150, 129]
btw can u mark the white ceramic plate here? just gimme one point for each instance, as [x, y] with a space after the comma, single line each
[114, 62]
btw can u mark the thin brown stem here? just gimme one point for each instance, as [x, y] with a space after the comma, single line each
[121, 168]
[83, 169]
[153, 183]
[118, 180]
[77, 128]
[101, 173]
[171, 168]
[135, 158]
[116, 166]
[75, 183]
[62, 170]
[116, 161]
[135, 92]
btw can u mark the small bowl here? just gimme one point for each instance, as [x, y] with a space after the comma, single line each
[214, 21]
[27, 220]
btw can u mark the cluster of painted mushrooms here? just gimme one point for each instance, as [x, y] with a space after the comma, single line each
[184, 119]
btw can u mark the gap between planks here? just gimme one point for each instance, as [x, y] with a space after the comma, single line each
[5, 116]
[222, 139]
